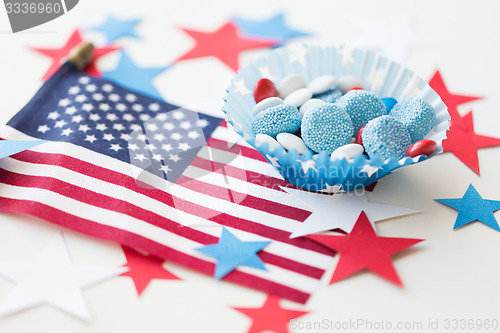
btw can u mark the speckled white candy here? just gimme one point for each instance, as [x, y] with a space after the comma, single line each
[298, 97]
[266, 103]
[291, 141]
[321, 84]
[309, 104]
[347, 82]
[289, 84]
[349, 151]
[264, 138]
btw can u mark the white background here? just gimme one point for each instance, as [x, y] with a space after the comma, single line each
[451, 275]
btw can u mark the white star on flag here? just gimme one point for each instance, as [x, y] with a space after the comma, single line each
[52, 279]
[340, 211]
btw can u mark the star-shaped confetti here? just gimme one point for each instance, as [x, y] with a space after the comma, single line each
[144, 268]
[274, 28]
[129, 75]
[225, 44]
[451, 100]
[11, 147]
[463, 142]
[270, 317]
[363, 249]
[340, 211]
[472, 207]
[52, 279]
[59, 55]
[114, 28]
[230, 252]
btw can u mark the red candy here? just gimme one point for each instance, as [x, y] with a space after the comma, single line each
[355, 88]
[359, 139]
[422, 147]
[264, 88]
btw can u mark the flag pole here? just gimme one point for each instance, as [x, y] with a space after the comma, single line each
[81, 57]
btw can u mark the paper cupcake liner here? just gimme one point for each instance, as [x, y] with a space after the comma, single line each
[316, 172]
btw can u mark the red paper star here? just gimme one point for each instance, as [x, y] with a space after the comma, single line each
[59, 55]
[225, 44]
[270, 316]
[451, 100]
[144, 268]
[362, 248]
[463, 142]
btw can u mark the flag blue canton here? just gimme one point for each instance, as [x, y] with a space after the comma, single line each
[106, 118]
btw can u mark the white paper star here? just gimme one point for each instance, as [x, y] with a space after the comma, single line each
[369, 169]
[346, 53]
[306, 165]
[52, 279]
[241, 88]
[335, 189]
[377, 78]
[266, 72]
[298, 53]
[340, 211]
[274, 160]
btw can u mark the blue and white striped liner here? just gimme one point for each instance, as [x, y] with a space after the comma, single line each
[397, 82]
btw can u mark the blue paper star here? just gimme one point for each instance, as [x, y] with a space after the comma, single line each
[8, 147]
[472, 207]
[273, 28]
[230, 252]
[136, 78]
[114, 28]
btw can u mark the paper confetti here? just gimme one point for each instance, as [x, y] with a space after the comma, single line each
[144, 268]
[472, 207]
[226, 43]
[52, 279]
[340, 211]
[131, 76]
[114, 28]
[463, 142]
[270, 317]
[363, 249]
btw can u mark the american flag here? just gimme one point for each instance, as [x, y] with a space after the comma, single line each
[124, 167]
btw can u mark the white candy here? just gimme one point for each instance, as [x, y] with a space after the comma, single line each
[321, 84]
[309, 104]
[289, 84]
[264, 138]
[298, 97]
[266, 103]
[290, 141]
[347, 82]
[348, 151]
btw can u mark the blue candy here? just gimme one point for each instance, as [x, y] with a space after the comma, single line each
[329, 96]
[277, 119]
[386, 137]
[389, 103]
[325, 127]
[416, 115]
[362, 106]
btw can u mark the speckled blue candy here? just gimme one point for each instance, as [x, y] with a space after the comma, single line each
[277, 119]
[362, 106]
[325, 127]
[416, 115]
[386, 137]
[389, 103]
[329, 96]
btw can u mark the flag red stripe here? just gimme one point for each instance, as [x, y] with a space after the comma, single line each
[132, 240]
[124, 207]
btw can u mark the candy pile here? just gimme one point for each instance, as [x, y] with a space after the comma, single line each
[341, 118]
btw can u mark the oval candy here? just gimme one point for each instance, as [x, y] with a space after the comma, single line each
[321, 84]
[359, 137]
[389, 103]
[298, 97]
[345, 83]
[349, 151]
[309, 104]
[266, 103]
[261, 138]
[264, 88]
[422, 147]
[289, 84]
[290, 141]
